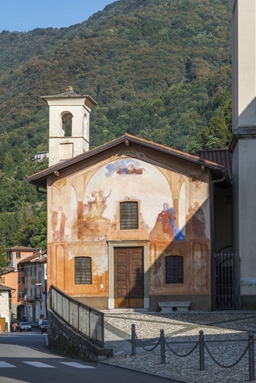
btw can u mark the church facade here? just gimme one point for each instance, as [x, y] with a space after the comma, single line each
[132, 223]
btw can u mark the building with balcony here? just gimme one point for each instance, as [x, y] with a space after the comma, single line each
[14, 277]
[35, 285]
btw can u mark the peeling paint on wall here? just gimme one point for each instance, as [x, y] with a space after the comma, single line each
[173, 219]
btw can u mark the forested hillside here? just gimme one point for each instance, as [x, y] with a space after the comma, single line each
[159, 69]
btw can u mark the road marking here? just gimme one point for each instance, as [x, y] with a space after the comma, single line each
[39, 364]
[76, 365]
[5, 364]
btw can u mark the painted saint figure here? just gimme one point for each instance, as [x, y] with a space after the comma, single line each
[165, 225]
[58, 222]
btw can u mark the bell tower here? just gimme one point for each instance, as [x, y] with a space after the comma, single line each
[243, 144]
[69, 116]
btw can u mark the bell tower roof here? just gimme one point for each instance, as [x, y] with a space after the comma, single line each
[70, 94]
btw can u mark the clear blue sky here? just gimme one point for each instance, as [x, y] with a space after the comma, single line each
[25, 15]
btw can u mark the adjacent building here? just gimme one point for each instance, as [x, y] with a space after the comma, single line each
[15, 277]
[5, 307]
[27, 275]
[35, 281]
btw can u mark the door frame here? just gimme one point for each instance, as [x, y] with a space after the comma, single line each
[111, 277]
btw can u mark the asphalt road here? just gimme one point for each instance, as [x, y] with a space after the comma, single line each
[24, 357]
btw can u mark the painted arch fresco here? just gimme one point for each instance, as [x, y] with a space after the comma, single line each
[173, 217]
[172, 206]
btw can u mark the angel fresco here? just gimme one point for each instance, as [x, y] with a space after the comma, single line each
[165, 225]
[96, 206]
[124, 167]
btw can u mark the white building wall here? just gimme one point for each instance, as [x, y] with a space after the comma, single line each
[4, 308]
[244, 143]
[244, 63]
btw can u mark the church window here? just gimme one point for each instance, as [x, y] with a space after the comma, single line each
[129, 215]
[174, 272]
[83, 270]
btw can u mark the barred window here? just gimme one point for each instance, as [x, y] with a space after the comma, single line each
[129, 215]
[83, 270]
[174, 269]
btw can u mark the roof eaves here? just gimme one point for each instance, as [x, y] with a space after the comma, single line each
[81, 157]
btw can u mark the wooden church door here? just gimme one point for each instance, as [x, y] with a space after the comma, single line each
[129, 277]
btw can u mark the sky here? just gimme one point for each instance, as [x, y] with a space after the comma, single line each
[25, 15]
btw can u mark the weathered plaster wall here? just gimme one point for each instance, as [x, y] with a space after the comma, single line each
[174, 219]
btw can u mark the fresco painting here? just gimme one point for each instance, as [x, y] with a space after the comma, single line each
[165, 226]
[167, 212]
[128, 179]
[173, 218]
[124, 167]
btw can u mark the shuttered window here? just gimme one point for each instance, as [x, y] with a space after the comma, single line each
[83, 270]
[129, 215]
[174, 272]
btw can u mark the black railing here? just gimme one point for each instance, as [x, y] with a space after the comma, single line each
[202, 347]
[84, 319]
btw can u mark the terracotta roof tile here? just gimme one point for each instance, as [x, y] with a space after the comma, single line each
[221, 157]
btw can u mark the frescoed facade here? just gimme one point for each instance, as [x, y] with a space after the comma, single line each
[129, 223]
[135, 204]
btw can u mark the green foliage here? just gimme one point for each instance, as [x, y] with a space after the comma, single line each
[33, 232]
[3, 258]
[160, 70]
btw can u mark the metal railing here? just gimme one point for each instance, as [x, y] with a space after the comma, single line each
[84, 319]
[202, 347]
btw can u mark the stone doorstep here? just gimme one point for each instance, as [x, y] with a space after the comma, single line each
[174, 307]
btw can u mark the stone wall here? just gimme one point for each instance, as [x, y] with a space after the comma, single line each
[64, 340]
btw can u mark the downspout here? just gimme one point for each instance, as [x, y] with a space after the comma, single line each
[213, 240]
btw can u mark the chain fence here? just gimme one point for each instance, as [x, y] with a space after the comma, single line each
[202, 345]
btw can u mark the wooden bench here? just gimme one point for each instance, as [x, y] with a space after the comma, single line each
[174, 307]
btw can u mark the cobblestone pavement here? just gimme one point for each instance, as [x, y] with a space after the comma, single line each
[226, 336]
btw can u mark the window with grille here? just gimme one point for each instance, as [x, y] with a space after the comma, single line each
[83, 270]
[174, 272]
[129, 215]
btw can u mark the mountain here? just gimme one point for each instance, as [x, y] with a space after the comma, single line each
[159, 69]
